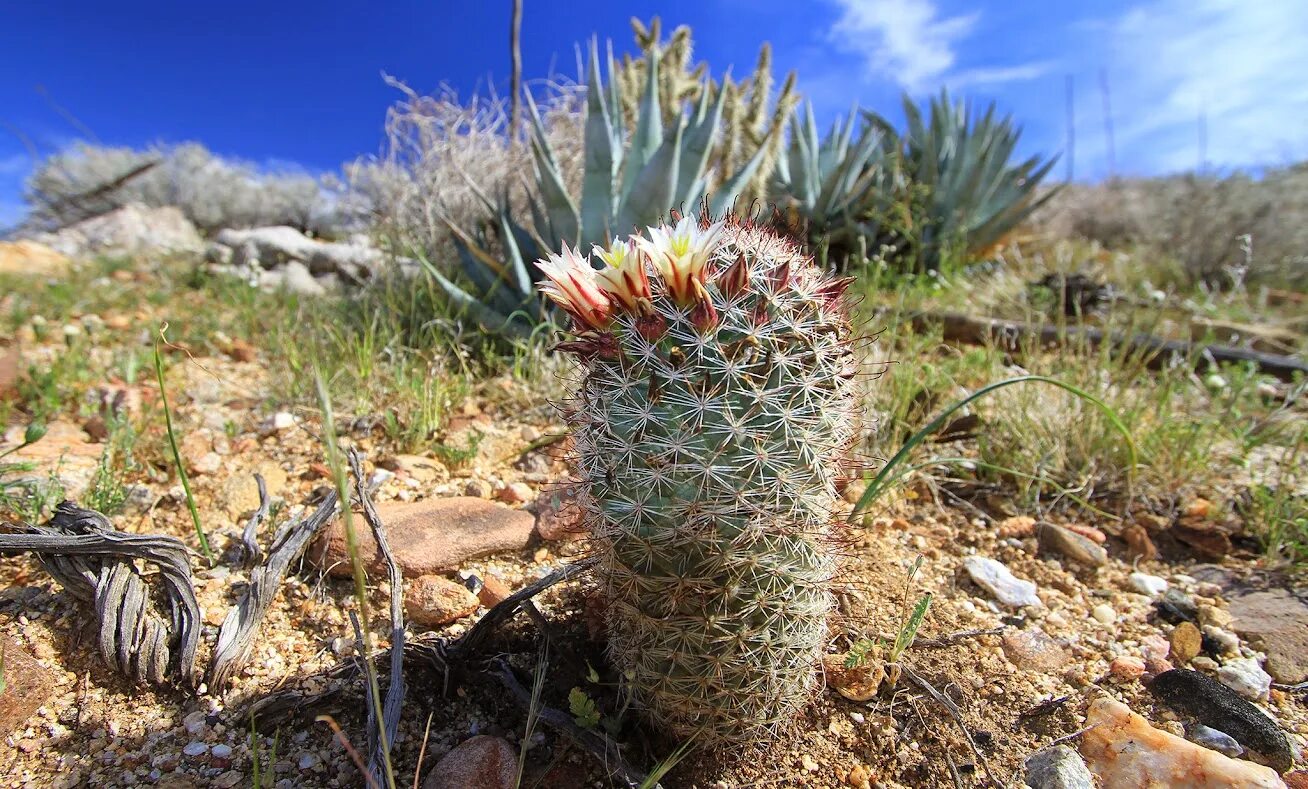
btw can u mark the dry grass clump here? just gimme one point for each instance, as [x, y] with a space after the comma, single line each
[1224, 231]
[442, 152]
[213, 192]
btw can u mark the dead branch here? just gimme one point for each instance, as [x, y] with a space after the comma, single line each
[96, 564]
[955, 713]
[250, 553]
[239, 628]
[77, 201]
[395, 692]
[1157, 352]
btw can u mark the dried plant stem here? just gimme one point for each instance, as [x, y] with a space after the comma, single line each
[356, 564]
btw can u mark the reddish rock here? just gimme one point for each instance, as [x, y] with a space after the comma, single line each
[28, 685]
[482, 762]
[1296, 780]
[1089, 532]
[241, 351]
[493, 591]
[1127, 668]
[558, 514]
[433, 601]
[428, 536]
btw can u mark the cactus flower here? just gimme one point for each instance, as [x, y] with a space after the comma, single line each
[571, 283]
[680, 254]
[624, 278]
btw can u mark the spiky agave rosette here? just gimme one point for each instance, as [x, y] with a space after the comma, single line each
[715, 403]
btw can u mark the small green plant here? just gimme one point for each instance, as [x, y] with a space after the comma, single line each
[456, 456]
[583, 709]
[177, 454]
[910, 623]
[261, 778]
[859, 653]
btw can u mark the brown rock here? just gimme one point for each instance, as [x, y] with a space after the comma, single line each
[1127, 668]
[28, 685]
[433, 601]
[1033, 650]
[1205, 538]
[478, 489]
[482, 762]
[241, 351]
[493, 591]
[96, 429]
[31, 259]
[558, 513]
[1275, 622]
[1138, 543]
[1296, 780]
[428, 536]
[419, 468]
[1186, 641]
[1072, 545]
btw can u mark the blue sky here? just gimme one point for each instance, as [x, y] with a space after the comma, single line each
[300, 82]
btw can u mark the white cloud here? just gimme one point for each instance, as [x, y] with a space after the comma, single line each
[1000, 74]
[908, 42]
[1239, 65]
[901, 40]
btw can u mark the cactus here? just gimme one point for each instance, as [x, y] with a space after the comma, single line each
[715, 402]
[753, 119]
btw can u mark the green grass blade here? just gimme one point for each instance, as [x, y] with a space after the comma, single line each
[880, 481]
[177, 456]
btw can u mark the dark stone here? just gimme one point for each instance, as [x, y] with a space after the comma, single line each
[1214, 705]
[1176, 607]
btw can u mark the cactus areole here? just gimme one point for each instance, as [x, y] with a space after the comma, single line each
[715, 402]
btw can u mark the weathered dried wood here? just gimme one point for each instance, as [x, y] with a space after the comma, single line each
[250, 553]
[239, 628]
[96, 564]
[1157, 352]
[395, 692]
[56, 207]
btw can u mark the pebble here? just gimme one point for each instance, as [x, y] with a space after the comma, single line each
[483, 761]
[1000, 582]
[1122, 749]
[1212, 616]
[221, 751]
[1215, 740]
[1176, 607]
[1033, 649]
[1213, 704]
[1186, 641]
[1246, 677]
[1147, 584]
[308, 761]
[515, 493]
[1104, 614]
[1067, 543]
[1058, 767]
[809, 763]
[1227, 643]
[478, 489]
[433, 601]
[195, 749]
[1127, 668]
[277, 423]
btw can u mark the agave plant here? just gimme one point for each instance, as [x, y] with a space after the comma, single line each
[626, 183]
[829, 182]
[967, 195]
